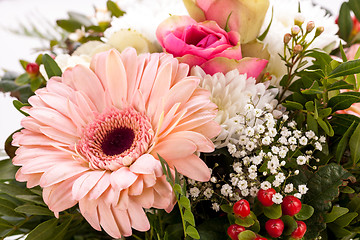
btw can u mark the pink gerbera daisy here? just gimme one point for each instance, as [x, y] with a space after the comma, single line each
[93, 136]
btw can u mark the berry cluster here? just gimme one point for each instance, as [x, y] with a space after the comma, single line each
[274, 227]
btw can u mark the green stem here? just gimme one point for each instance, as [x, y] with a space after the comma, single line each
[137, 237]
[182, 219]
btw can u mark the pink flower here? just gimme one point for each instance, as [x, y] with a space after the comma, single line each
[243, 16]
[207, 45]
[93, 136]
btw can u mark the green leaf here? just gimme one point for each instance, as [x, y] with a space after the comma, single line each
[343, 143]
[345, 219]
[61, 230]
[24, 63]
[8, 86]
[339, 232]
[31, 198]
[18, 105]
[34, 210]
[185, 202]
[305, 213]
[343, 54]
[35, 83]
[192, 232]
[340, 85]
[342, 122]
[273, 212]
[177, 188]
[311, 123]
[245, 222]
[22, 79]
[227, 208]
[346, 68]
[51, 67]
[39, 59]
[80, 18]
[345, 22]
[355, 7]
[290, 105]
[69, 25]
[289, 224]
[7, 170]
[114, 9]
[43, 231]
[314, 89]
[7, 208]
[323, 124]
[354, 145]
[310, 106]
[189, 217]
[344, 100]
[13, 190]
[335, 213]
[247, 235]
[347, 189]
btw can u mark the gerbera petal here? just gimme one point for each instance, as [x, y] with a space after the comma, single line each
[88, 208]
[169, 149]
[192, 167]
[61, 172]
[85, 183]
[122, 178]
[100, 186]
[146, 164]
[138, 217]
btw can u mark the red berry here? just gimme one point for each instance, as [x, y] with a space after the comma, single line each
[32, 69]
[265, 196]
[274, 227]
[290, 206]
[242, 208]
[234, 230]
[300, 231]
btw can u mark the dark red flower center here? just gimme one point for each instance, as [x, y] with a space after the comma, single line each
[118, 141]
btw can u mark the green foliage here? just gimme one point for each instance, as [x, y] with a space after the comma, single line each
[273, 212]
[51, 67]
[114, 9]
[305, 213]
[345, 21]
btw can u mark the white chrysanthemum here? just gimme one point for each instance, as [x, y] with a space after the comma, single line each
[283, 20]
[231, 93]
[144, 16]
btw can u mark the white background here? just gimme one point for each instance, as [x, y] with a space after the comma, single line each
[14, 47]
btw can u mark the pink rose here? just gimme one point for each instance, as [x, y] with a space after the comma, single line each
[207, 45]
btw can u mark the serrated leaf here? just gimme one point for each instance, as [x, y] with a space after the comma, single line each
[346, 68]
[335, 213]
[51, 67]
[247, 235]
[34, 210]
[114, 9]
[345, 219]
[192, 232]
[354, 145]
[305, 213]
[189, 217]
[345, 22]
[344, 100]
[273, 212]
[185, 202]
[69, 25]
[43, 231]
[343, 143]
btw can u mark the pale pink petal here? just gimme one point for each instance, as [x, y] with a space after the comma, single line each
[88, 209]
[61, 172]
[169, 149]
[137, 187]
[192, 167]
[58, 135]
[123, 221]
[138, 217]
[107, 219]
[203, 144]
[122, 178]
[102, 185]
[146, 199]
[146, 164]
[85, 183]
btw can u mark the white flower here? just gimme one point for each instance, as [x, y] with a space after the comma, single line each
[289, 188]
[277, 198]
[292, 140]
[303, 140]
[292, 124]
[280, 177]
[322, 139]
[246, 160]
[234, 181]
[276, 183]
[258, 112]
[310, 134]
[272, 132]
[285, 132]
[208, 193]
[254, 191]
[249, 131]
[260, 129]
[256, 160]
[303, 189]
[250, 146]
[301, 160]
[213, 179]
[242, 184]
[283, 140]
[296, 172]
[226, 190]
[270, 123]
[232, 93]
[285, 117]
[297, 195]
[283, 19]
[282, 153]
[243, 140]
[266, 140]
[216, 207]
[265, 185]
[318, 146]
[191, 181]
[194, 192]
[252, 168]
[253, 175]
[231, 148]
[275, 149]
[293, 147]
[245, 192]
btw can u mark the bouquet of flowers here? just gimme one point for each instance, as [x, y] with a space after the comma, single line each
[193, 119]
